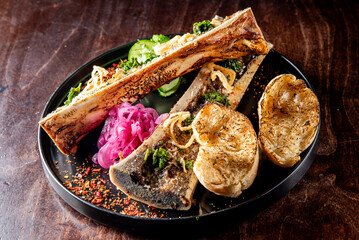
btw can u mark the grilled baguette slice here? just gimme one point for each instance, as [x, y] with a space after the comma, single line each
[228, 157]
[237, 36]
[288, 119]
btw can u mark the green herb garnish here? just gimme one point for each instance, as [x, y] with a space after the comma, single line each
[159, 38]
[147, 154]
[189, 164]
[188, 121]
[217, 97]
[128, 65]
[231, 64]
[73, 93]
[159, 158]
[201, 27]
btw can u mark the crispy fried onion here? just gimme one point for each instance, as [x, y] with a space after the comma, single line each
[222, 73]
[183, 163]
[174, 43]
[178, 118]
[97, 75]
[97, 81]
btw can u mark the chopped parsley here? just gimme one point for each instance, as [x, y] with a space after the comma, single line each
[231, 64]
[188, 121]
[217, 97]
[73, 93]
[160, 157]
[201, 27]
[187, 164]
[128, 65]
[147, 154]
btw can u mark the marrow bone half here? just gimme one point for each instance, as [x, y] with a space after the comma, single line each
[237, 36]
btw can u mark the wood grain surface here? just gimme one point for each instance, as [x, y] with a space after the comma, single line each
[42, 42]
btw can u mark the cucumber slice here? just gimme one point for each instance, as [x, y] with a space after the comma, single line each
[142, 51]
[173, 85]
[166, 94]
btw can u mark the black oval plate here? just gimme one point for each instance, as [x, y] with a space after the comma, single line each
[271, 183]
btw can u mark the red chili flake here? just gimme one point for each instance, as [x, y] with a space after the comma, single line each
[87, 184]
[87, 170]
[95, 191]
[135, 212]
[98, 194]
[97, 200]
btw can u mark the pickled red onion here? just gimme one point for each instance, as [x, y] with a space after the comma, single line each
[125, 128]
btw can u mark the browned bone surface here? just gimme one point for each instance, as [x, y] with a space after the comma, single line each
[42, 42]
[237, 37]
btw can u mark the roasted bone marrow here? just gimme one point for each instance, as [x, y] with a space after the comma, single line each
[173, 186]
[236, 36]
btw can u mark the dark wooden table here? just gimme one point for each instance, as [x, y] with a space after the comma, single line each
[42, 42]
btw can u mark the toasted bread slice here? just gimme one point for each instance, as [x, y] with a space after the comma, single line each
[288, 114]
[227, 161]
